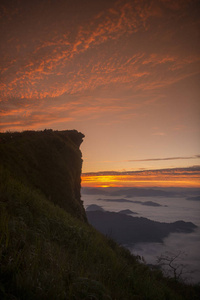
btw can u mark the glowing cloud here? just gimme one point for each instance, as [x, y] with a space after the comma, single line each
[181, 177]
[122, 72]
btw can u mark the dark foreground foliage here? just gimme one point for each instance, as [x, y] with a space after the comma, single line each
[48, 253]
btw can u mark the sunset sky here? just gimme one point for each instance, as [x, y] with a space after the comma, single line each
[125, 73]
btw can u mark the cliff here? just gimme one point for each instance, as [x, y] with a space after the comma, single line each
[49, 161]
[47, 248]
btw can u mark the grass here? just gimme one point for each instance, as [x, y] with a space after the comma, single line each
[47, 252]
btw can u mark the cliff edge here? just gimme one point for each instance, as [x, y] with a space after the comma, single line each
[49, 161]
[48, 250]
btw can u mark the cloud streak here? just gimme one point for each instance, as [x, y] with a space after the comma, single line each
[51, 69]
[175, 177]
[116, 70]
[194, 170]
[165, 158]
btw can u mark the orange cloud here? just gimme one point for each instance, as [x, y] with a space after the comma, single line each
[182, 177]
[105, 51]
[32, 77]
[126, 71]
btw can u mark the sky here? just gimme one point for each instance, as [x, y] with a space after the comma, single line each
[124, 73]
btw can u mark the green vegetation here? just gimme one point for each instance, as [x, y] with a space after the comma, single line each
[48, 251]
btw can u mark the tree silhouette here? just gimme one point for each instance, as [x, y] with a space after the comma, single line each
[171, 264]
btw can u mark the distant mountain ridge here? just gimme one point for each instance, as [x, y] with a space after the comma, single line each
[131, 192]
[130, 230]
[48, 250]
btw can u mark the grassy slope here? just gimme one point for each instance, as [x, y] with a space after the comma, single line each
[49, 253]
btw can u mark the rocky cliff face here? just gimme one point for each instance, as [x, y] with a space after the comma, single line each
[49, 161]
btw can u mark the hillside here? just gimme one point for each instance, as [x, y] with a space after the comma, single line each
[47, 248]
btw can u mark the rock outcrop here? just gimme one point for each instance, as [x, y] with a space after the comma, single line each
[49, 161]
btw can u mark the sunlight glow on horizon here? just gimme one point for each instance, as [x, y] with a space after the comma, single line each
[125, 73]
[138, 180]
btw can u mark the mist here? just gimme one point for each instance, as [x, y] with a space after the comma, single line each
[174, 205]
